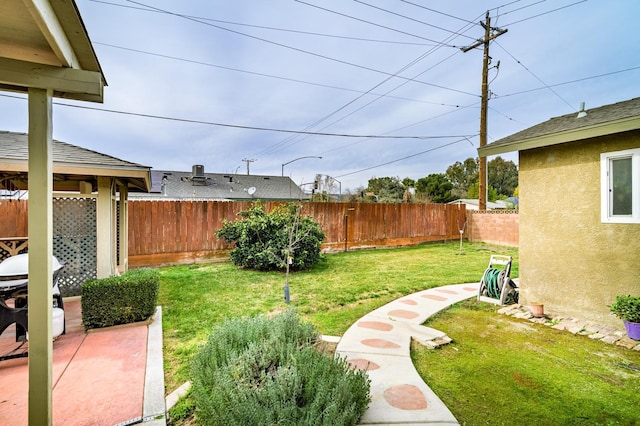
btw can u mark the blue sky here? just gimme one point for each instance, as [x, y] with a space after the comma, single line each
[343, 67]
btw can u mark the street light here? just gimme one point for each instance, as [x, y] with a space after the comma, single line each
[296, 159]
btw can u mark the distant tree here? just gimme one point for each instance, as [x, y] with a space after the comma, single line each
[354, 195]
[462, 176]
[502, 175]
[386, 189]
[473, 193]
[435, 187]
[409, 183]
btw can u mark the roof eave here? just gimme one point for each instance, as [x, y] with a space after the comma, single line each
[582, 133]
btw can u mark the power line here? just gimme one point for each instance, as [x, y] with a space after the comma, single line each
[415, 61]
[401, 128]
[545, 13]
[294, 80]
[535, 76]
[401, 159]
[369, 22]
[569, 82]
[270, 28]
[274, 148]
[520, 8]
[411, 19]
[297, 49]
[238, 126]
[436, 11]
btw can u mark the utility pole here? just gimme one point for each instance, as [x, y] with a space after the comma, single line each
[488, 36]
[246, 160]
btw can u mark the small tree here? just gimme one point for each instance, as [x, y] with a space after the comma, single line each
[280, 240]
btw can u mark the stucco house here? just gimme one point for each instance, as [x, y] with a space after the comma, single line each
[199, 185]
[579, 177]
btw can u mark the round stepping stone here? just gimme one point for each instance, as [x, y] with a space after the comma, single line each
[447, 291]
[434, 297]
[409, 302]
[405, 397]
[402, 313]
[471, 289]
[363, 364]
[380, 344]
[376, 325]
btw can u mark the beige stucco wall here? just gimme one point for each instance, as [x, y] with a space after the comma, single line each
[569, 260]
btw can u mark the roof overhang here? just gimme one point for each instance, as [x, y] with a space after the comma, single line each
[45, 45]
[67, 176]
[582, 133]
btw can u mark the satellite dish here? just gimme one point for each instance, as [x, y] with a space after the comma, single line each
[251, 190]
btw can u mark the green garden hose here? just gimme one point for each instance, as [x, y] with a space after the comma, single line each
[494, 280]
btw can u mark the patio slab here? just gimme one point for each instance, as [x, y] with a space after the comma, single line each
[99, 378]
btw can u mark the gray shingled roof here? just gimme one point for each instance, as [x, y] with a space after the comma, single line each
[14, 146]
[219, 186]
[607, 119]
[85, 162]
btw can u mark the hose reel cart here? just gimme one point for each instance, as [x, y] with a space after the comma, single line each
[496, 286]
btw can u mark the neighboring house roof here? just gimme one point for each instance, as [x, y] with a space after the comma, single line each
[71, 164]
[198, 185]
[601, 121]
[474, 203]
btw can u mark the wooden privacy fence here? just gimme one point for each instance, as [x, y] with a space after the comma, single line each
[170, 232]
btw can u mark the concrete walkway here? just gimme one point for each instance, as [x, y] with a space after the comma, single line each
[380, 343]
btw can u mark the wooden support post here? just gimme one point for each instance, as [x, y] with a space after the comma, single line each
[40, 253]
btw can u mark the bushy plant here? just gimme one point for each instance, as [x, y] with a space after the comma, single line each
[273, 241]
[120, 299]
[261, 371]
[626, 308]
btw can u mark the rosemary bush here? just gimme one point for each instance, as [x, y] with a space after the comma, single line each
[263, 371]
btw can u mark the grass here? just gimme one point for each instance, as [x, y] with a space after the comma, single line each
[332, 296]
[501, 370]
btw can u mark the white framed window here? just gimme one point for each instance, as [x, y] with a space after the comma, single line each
[620, 186]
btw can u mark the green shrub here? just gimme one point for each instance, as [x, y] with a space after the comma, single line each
[261, 371]
[626, 308]
[120, 299]
[263, 241]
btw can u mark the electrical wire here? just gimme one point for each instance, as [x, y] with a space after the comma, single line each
[412, 19]
[239, 126]
[288, 30]
[544, 13]
[520, 8]
[403, 158]
[369, 22]
[437, 11]
[294, 48]
[294, 80]
[535, 76]
[398, 129]
[281, 144]
[569, 82]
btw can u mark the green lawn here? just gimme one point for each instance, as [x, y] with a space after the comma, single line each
[498, 370]
[333, 295]
[501, 370]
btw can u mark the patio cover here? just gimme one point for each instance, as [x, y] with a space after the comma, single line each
[45, 51]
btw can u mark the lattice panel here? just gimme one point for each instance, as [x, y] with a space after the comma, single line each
[14, 247]
[74, 241]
